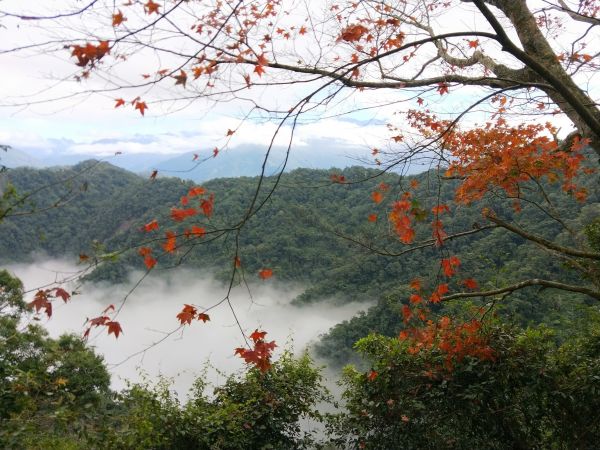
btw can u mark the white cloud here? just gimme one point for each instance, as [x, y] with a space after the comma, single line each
[151, 309]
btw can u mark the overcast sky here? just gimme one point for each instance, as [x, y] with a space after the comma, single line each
[39, 114]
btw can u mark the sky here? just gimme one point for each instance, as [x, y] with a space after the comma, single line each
[40, 115]
[89, 124]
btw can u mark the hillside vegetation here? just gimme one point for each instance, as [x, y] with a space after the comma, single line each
[311, 232]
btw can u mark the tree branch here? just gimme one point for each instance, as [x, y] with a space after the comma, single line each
[543, 242]
[523, 284]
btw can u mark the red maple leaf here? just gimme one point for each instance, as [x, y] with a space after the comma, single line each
[141, 106]
[114, 328]
[203, 317]
[119, 102]
[259, 70]
[377, 197]
[187, 314]
[207, 205]
[265, 273]
[181, 78]
[118, 18]
[151, 7]
[257, 335]
[60, 292]
[470, 283]
[171, 243]
[195, 191]
[41, 301]
[153, 225]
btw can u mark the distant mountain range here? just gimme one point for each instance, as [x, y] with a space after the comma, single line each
[243, 160]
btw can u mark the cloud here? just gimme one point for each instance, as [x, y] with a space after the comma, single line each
[150, 311]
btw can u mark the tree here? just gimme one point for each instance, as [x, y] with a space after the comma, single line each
[50, 389]
[532, 393]
[519, 80]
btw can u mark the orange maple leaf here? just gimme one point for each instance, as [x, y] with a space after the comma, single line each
[151, 7]
[187, 314]
[195, 191]
[259, 70]
[153, 225]
[470, 283]
[119, 102]
[377, 196]
[171, 243]
[197, 231]
[118, 19]
[149, 261]
[181, 78]
[265, 273]
[141, 106]
[353, 33]
[179, 215]
[207, 205]
[415, 284]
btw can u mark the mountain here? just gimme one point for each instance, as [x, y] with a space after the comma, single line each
[310, 232]
[247, 160]
[242, 160]
[13, 157]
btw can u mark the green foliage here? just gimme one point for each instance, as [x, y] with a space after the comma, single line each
[252, 411]
[534, 394]
[49, 388]
[54, 394]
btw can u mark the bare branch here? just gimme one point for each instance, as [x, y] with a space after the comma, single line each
[523, 284]
[541, 241]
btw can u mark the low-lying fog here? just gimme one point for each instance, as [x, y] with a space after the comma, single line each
[150, 312]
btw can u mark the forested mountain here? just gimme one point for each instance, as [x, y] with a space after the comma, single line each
[311, 232]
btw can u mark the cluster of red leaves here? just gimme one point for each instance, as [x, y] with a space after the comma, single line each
[260, 355]
[139, 105]
[189, 313]
[437, 225]
[89, 53]
[502, 156]
[169, 244]
[336, 178]
[353, 33]
[103, 320]
[454, 340]
[43, 299]
[401, 218]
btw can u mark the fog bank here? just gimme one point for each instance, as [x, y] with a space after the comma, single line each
[150, 312]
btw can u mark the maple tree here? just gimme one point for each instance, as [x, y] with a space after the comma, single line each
[515, 76]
